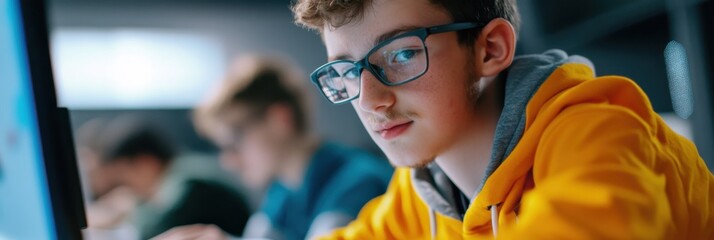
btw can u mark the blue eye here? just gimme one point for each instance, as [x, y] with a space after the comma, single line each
[351, 73]
[403, 56]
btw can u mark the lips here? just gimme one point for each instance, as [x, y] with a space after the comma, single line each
[393, 129]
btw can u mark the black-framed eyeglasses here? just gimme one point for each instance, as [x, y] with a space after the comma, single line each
[395, 61]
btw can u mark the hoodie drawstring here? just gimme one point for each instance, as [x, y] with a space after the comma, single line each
[494, 219]
[432, 223]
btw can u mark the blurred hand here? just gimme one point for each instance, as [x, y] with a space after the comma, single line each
[194, 232]
[111, 209]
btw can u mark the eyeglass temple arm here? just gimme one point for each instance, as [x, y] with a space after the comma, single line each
[453, 27]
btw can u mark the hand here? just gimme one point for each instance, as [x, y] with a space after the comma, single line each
[193, 232]
[111, 209]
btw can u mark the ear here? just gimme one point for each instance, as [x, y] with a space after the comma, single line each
[280, 119]
[496, 46]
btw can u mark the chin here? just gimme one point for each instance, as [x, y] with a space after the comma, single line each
[409, 160]
[403, 154]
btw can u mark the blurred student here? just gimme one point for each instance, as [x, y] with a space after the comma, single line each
[108, 204]
[138, 162]
[259, 119]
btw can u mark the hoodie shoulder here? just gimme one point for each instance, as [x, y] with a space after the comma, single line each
[575, 83]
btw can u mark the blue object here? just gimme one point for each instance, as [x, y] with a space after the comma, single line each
[40, 197]
[25, 208]
[338, 179]
[680, 83]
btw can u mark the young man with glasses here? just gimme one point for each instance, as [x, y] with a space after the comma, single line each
[488, 144]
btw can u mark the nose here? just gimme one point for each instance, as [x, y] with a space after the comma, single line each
[375, 97]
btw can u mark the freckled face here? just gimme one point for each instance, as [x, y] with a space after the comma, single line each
[414, 122]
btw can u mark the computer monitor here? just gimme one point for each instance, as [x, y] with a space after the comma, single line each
[40, 195]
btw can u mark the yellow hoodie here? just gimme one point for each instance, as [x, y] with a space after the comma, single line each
[594, 162]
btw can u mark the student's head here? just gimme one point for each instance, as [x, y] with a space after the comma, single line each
[138, 152]
[414, 103]
[255, 116]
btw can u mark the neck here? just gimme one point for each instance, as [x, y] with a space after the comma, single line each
[466, 161]
[296, 159]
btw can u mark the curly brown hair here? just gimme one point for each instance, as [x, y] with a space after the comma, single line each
[316, 14]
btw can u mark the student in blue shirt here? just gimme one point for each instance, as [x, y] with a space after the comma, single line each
[258, 118]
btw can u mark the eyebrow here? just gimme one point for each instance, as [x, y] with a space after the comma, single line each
[339, 57]
[377, 41]
[393, 33]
